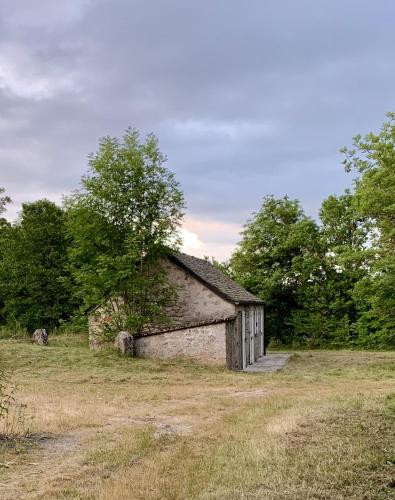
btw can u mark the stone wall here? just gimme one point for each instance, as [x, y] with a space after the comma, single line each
[195, 301]
[95, 323]
[204, 343]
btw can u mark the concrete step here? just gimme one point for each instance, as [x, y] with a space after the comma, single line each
[269, 363]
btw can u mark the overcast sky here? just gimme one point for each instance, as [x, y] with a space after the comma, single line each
[248, 98]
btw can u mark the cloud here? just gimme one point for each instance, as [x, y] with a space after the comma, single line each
[209, 237]
[212, 131]
[247, 98]
[190, 241]
[43, 14]
[20, 77]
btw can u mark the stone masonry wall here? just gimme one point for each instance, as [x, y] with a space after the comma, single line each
[194, 302]
[95, 327]
[204, 343]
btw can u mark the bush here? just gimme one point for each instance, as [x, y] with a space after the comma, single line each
[13, 330]
[75, 326]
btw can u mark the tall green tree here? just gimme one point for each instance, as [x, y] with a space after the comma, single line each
[4, 200]
[121, 223]
[34, 282]
[276, 259]
[327, 304]
[373, 159]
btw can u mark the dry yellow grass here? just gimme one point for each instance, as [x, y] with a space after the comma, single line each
[111, 428]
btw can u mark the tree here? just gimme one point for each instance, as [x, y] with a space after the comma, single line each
[344, 237]
[328, 306]
[4, 200]
[276, 259]
[34, 282]
[122, 222]
[373, 159]
[224, 266]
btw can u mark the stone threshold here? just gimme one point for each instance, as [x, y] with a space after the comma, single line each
[269, 363]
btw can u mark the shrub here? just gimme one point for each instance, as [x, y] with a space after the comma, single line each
[13, 330]
[74, 326]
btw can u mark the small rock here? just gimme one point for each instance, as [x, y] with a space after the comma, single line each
[40, 337]
[124, 342]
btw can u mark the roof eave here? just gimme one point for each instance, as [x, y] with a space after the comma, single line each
[250, 303]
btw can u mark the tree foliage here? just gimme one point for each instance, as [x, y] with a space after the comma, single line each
[121, 223]
[34, 282]
[327, 306]
[4, 200]
[331, 283]
[373, 159]
[277, 257]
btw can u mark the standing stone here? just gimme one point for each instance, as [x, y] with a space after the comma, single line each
[124, 342]
[40, 337]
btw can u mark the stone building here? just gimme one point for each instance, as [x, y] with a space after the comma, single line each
[212, 319]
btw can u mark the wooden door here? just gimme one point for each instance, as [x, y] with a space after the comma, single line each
[243, 339]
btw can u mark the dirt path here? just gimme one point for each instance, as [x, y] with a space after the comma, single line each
[60, 458]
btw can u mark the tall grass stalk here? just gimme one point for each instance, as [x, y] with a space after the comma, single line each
[12, 414]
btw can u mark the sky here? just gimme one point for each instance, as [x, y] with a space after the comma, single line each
[247, 98]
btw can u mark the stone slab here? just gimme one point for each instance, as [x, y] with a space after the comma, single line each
[269, 363]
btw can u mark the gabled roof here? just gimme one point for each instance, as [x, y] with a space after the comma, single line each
[214, 279]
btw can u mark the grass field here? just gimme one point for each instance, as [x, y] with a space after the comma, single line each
[104, 427]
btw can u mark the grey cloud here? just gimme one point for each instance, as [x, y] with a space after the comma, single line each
[247, 98]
